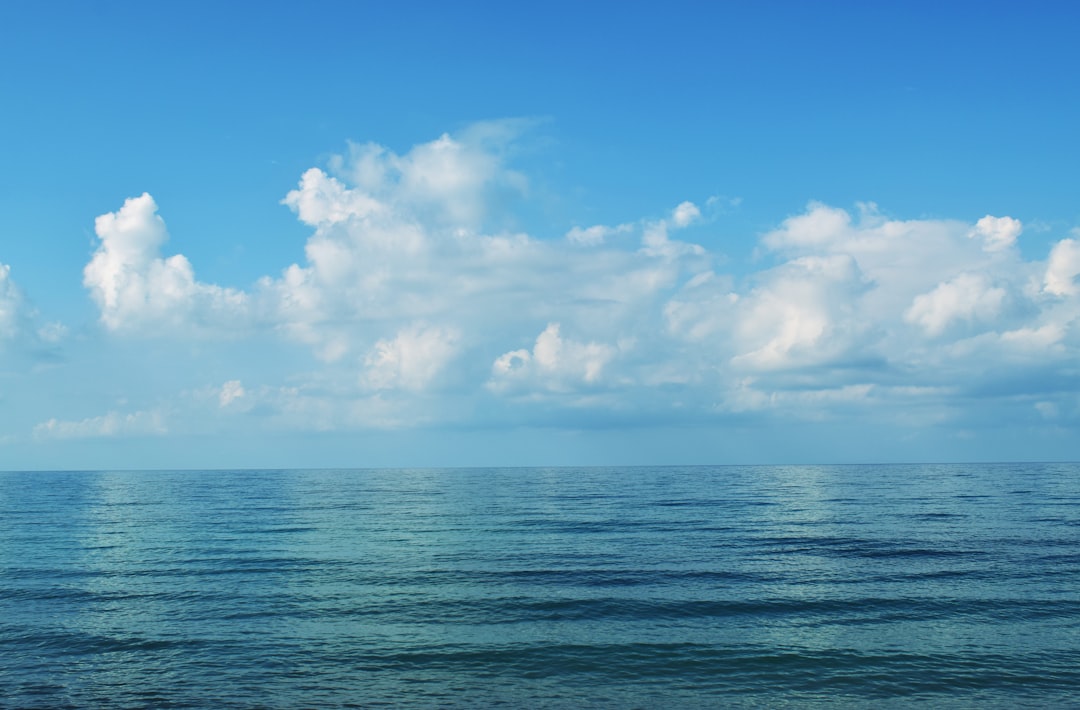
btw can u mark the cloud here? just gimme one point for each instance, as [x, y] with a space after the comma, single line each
[819, 227]
[19, 322]
[554, 364]
[11, 305]
[393, 245]
[397, 240]
[450, 179]
[136, 289]
[997, 233]
[411, 360]
[967, 297]
[656, 241]
[870, 301]
[420, 307]
[686, 213]
[595, 235]
[112, 424]
[802, 313]
[1064, 267]
[321, 199]
[230, 392]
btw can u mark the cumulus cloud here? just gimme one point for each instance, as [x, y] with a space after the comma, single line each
[968, 297]
[997, 233]
[135, 288]
[656, 241]
[803, 313]
[411, 290]
[410, 360]
[819, 227]
[321, 199]
[398, 239]
[686, 213]
[450, 179]
[1064, 267]
[555, 364]
[868, 301]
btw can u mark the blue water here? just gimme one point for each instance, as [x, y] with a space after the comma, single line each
[836, 586]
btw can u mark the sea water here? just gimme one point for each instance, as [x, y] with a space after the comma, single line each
[772, 586]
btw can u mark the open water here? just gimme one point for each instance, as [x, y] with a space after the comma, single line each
[773, 586]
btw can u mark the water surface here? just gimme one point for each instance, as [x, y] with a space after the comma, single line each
[875, 586]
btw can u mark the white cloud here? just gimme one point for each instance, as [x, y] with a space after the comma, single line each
[449, 174]
[802, 314]
[968, 297]
[685, 214]
[112, 424]
[135, 288]
[321, 199]
[449, 179]
[1063, 268]
[704, 307]
[418, 309]
[819, 227]
[1035, 339]
[392, 246]
[411, 360]
[595, 235]
[997, 233]
[656, 242]
[555, 363]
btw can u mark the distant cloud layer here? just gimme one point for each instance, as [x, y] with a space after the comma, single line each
[417, 312]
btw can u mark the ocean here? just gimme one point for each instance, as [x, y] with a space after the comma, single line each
[623, 587]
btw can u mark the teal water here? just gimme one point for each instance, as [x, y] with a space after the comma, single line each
[832, 586]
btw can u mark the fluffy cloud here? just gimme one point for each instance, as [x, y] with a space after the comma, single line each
[686, 213]
[554, 364]
[878, 307]
[399, 239]
[801, 314]
[968, 297]
[1063, 269]
[410, 360]
[136, 289]
[321, 199]
[997, 233]
[418, 306]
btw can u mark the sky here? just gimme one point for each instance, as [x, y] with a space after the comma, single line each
[473, 234]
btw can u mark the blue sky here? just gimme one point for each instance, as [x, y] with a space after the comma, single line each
[475, 234]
